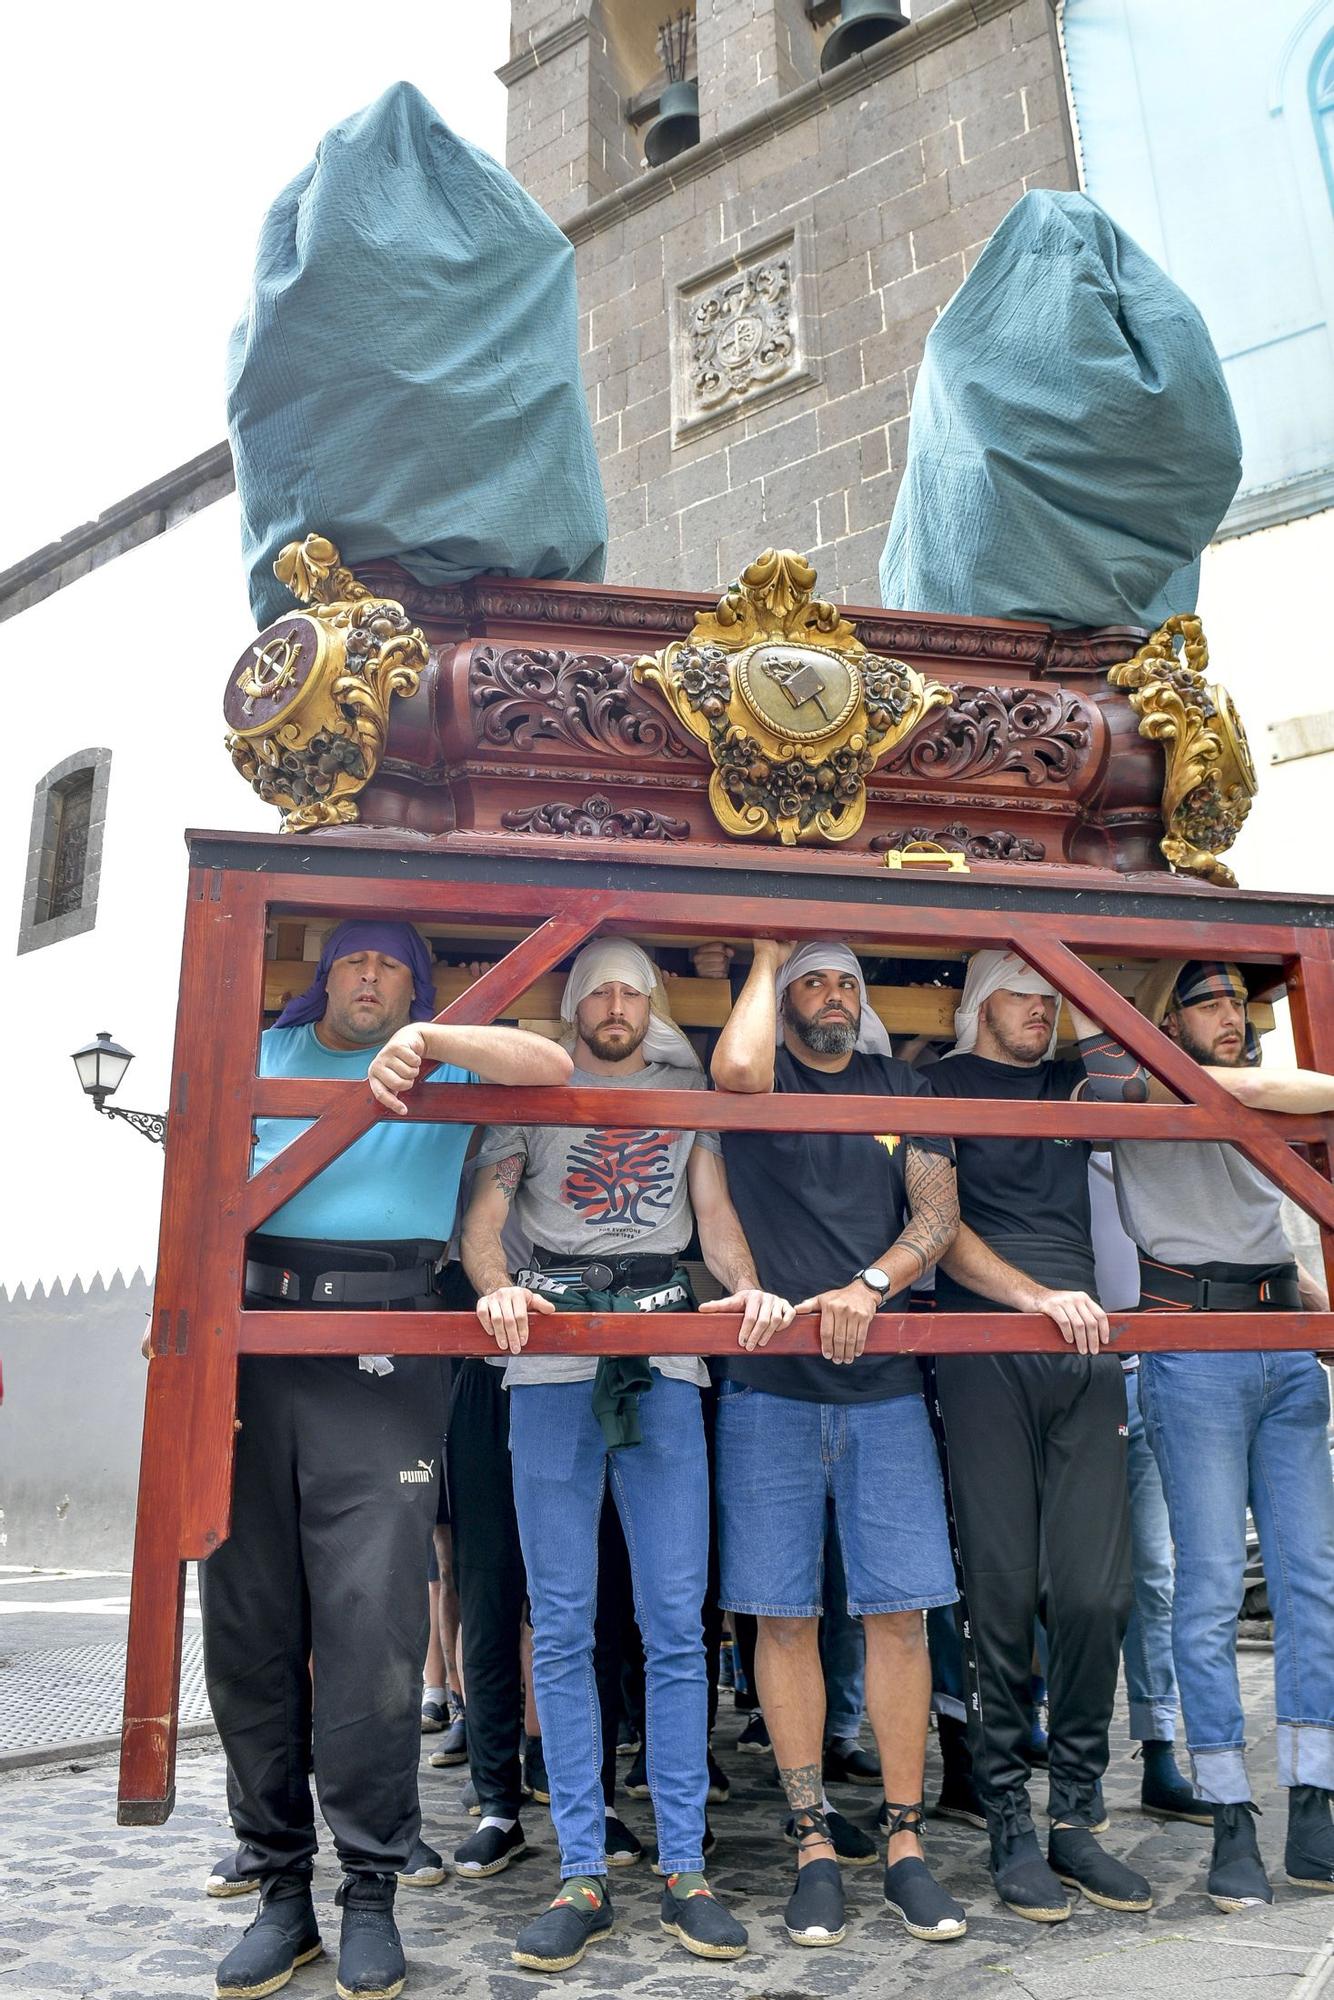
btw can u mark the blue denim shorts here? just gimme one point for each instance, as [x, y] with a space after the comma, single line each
[779, 1461]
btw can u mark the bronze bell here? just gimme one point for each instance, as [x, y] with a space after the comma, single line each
[676, 127]
[863, 24]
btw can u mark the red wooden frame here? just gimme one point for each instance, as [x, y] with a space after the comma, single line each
[210, 1202]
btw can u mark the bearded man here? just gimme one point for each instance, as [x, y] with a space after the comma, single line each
[336, 1472]
[1235, 1429]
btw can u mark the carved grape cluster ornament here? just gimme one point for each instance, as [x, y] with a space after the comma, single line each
[796, 713]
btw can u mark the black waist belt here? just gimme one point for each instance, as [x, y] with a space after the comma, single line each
[604, 1274]
[1175, 1285]
[328, 1288]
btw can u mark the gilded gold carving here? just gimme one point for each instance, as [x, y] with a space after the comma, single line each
[795, 711]
[309, 703]
[1210, 776]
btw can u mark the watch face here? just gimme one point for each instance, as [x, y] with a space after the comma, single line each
[876, 1278]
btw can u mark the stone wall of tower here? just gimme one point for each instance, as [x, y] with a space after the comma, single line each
[753, 312]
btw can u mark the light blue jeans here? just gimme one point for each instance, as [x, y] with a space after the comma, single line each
[562, 1467]
[1151, 1681]
[1227, 1429]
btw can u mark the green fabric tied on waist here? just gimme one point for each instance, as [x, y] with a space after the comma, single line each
[621, 1379]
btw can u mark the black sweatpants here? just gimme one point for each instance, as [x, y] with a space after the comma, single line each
[326, 1556]
[1036, 1445]
[492, 1586]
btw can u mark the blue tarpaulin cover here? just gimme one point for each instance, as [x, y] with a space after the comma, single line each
[1072, 446]
[406, 377]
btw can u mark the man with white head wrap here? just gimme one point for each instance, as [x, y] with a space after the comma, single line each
[849, 1222]
[609, 1213]
[1036, 1448]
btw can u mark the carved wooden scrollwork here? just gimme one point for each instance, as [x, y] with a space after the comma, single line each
[596, 819]
[1042, 733]
[997, 844]
[523, 696]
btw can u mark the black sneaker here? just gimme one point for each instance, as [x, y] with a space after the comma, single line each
[1077, 1860]
[635, 1780]
[562, 1934]
[227, 1879]
[1165, 1794]
[425, 1868]
[1308, 1858]
[691, 1912]
[371, 1965]
[846, 1763]
[1237, 1879]
[283, 1936]
[1019, 1875]
[490, 1850]
[623, 1849]
[433, 1718]
[706, 1847]
[854, 1848]
[720, 1785]
[453, 1745]
[754, 1738]
[535, 1771]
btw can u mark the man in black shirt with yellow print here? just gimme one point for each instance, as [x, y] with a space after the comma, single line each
[1036, 1445]
[850, 1222]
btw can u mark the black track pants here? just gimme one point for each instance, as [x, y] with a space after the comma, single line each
[1037, 1478]
[327, 1555]
[492, 1586]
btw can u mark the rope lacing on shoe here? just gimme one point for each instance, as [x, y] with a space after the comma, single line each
[904, 1819]
[817, 1827]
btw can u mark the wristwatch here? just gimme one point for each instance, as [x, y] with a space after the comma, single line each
[876, 1279]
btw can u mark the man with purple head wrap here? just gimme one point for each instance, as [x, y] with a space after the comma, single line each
[336, 1470]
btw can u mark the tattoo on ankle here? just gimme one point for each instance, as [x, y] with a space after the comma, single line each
[802, 1785]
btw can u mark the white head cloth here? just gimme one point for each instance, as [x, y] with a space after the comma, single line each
[617, 958]
[825, 956]
[995, 972]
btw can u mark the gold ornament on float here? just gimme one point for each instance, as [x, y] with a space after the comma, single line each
[1210, 776]
[308, 702]
[795, 711]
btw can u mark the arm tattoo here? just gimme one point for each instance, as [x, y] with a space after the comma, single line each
[508, 1174]
[803, 1787]
[933, 1198]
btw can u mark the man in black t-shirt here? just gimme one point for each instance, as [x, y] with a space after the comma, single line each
[848, 1222]
[1036, 1446]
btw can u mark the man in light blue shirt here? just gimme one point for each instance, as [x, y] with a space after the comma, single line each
[337, 1469]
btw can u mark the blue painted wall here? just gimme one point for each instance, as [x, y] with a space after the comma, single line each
[1207, 130]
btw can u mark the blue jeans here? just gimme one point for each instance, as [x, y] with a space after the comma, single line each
[781, 1461]
[661, 1491]
[1151, 1681]
[842, 1648]
[1227, 1429]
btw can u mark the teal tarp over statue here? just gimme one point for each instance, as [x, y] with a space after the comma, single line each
[1072, 446]
[406, 378]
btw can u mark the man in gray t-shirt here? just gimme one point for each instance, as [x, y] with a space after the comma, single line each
[609, 1212]
[1228, 1429]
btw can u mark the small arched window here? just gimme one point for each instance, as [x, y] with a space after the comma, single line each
[65, 850]
[1322, 108]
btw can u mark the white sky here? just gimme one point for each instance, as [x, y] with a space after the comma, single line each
[139, 148]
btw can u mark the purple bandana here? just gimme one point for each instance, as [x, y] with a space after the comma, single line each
[398, 941]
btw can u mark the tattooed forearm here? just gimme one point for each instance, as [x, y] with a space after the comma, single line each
[933, 1197]
[507, 1175]
[802, 1785]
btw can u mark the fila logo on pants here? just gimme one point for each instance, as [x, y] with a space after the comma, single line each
[421, 1475]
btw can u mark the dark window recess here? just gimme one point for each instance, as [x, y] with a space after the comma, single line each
[73, 816]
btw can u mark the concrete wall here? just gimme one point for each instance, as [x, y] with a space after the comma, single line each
[834, 214]
[70, 1423]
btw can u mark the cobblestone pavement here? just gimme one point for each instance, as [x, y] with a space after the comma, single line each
[112, 1913]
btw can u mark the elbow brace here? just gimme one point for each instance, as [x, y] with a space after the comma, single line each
[1114, 1076]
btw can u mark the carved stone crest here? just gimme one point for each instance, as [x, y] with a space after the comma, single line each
[1210, 778]
[794, 710]
[742, 334]
[308, 703]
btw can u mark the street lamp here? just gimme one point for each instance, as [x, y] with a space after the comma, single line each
[101, 1066]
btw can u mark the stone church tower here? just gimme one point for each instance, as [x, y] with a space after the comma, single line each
[753, 309]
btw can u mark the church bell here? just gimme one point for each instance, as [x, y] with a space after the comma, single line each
[676, 127]
[863, 24]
